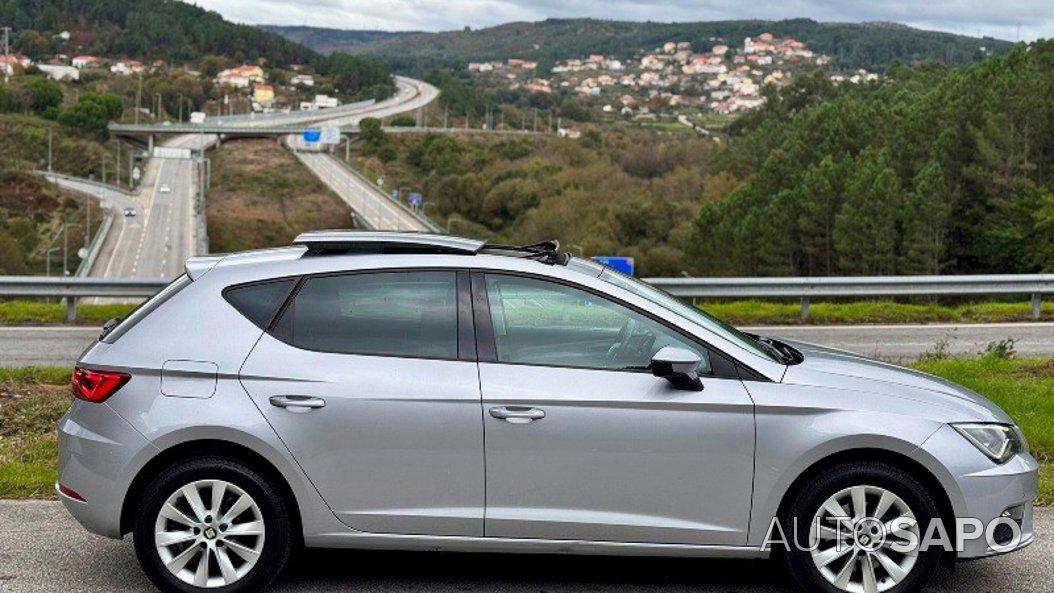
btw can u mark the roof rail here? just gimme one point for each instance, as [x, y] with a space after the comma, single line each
[386, 242]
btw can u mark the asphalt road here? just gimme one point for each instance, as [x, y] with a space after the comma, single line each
[42, 550]
[371, 204]
[61, 345]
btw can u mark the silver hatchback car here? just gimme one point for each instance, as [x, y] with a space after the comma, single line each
[420, 392]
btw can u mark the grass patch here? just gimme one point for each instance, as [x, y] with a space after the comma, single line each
[24, 375]
[262, 196]
[37, 312]
[29, 408]
[770, 313]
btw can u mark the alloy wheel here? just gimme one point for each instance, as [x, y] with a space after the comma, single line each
[209, 533]
[858, 539]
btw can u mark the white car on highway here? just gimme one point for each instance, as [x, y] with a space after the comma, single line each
[165, 189]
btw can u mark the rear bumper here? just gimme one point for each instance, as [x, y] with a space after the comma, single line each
[97, 459]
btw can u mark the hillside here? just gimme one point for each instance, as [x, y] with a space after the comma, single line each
[853, 45]
[147, 29]
[332, 40]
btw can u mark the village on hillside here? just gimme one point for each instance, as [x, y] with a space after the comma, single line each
[244, 88]
[721, 80]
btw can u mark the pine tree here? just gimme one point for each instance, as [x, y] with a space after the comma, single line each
[865, 232]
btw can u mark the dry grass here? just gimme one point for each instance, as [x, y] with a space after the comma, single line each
[261, 196]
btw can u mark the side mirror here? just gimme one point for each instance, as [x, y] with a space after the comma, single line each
[678, 366]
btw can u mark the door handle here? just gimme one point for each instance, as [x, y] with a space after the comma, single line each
[517, 414]
[298, 403]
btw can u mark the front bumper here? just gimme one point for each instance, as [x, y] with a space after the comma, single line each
[983, 491]
[98, 453]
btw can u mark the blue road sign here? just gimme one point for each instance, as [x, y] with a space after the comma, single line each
[415, 199]
[618, 263]
[312, 135]
[395, 195]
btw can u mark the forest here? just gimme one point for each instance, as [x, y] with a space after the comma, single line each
[936, 170]
[176, 32]
[853, 45]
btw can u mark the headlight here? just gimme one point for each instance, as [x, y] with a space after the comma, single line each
[998, 441]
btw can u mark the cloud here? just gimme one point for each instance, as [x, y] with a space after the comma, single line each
[1006, 19]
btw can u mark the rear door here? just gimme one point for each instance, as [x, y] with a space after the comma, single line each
[370, 379]
[584, 443]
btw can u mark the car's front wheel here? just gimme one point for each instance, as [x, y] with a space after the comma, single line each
[212, 524]
[856, 529]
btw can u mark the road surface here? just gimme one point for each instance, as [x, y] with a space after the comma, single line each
[908, 342]
[376, 208]
[42, 550]
[371, 204]
[61, 345]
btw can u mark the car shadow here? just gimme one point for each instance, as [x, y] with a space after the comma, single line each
[316, 569]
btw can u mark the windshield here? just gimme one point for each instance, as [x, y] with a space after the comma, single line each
[693, 314]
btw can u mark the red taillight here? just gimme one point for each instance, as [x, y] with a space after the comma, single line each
[96, 386]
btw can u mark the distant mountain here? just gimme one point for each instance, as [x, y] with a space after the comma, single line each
[853, 45]
[331, 40]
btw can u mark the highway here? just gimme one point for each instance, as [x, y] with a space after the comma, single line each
[42, 550]
[371, 204]
[61, 345]
[157, 241]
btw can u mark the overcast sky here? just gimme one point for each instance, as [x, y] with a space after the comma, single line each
[1007, 19]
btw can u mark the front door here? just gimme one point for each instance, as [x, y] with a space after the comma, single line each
[583, 443]
[370, 380]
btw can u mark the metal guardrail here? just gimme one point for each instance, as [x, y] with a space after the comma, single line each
[71, 288]
[805, 289]
[1035, 285]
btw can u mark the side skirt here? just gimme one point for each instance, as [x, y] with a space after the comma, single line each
[369, 541]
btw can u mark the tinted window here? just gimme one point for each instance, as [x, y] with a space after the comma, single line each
[389, 313]
[259, 302]
[545, 323]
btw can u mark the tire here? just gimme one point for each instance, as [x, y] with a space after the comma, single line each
[254, 550]
[874, 480]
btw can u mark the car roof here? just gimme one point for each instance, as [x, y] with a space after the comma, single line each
[331, 249]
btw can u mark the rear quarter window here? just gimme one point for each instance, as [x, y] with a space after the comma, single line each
[148, 307]
[259, 302]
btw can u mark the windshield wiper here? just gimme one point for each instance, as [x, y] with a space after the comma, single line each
[784, 353]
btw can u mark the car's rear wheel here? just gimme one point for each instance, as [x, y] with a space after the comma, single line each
[212, 524]
[856, 529]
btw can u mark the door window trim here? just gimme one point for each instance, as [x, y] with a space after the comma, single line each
[467, 343]
[722, 366]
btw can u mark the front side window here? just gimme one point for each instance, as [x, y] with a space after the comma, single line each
[546, 323]
[693, 314]
[411, 314]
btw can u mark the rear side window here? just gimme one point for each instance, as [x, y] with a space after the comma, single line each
[259, 302]
[411, 314]
[110, 336]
